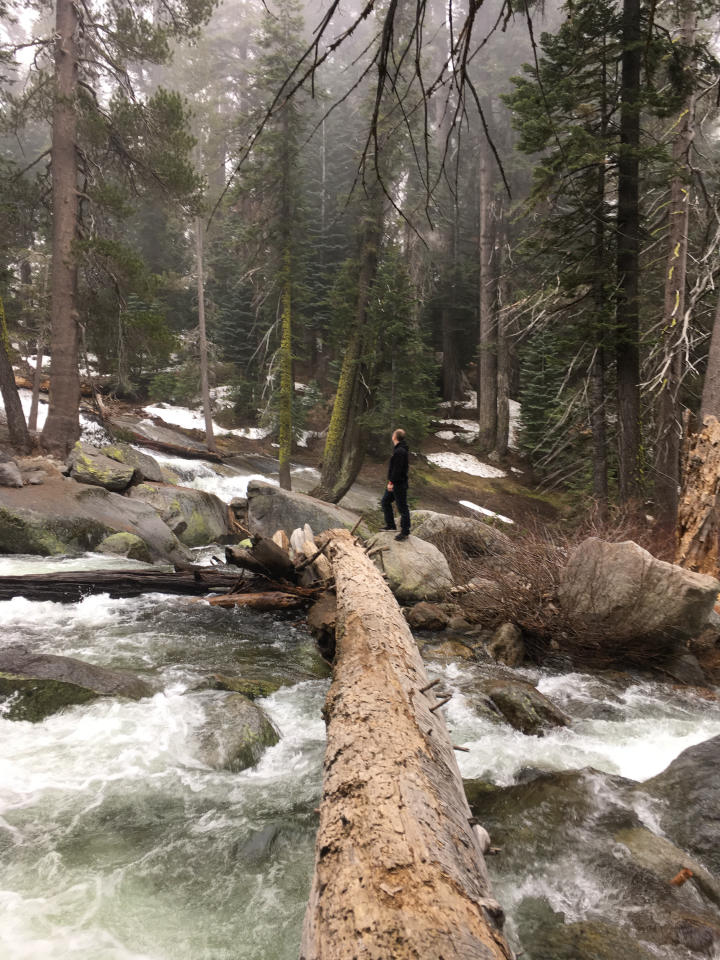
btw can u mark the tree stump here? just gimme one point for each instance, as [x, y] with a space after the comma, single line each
[399, 868]
[699, 514]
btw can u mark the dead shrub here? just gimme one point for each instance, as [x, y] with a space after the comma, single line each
[527, 573]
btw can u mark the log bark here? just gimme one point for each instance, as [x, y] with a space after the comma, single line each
[273, 600]
[399, 870]
[71, 587]
[698, 530]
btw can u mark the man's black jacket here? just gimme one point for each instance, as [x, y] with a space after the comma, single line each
[398, 466]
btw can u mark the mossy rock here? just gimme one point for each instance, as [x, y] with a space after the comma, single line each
[88, 465]
[34, 699]
[146, 467]
[24, 532]
[548, 937]
[248, 687]
[126, 545]
[449, 650]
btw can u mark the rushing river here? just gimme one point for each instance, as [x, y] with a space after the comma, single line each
[117, 843]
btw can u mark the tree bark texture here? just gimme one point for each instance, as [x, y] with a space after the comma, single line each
[628, 259]
[399, 869]
[710, 403]
[502, 437]
[698, 530]
[202, 336]
[345, 443]
[667, 448]
[62, 427]
[285, 418]
[14, 415]
[487, 360]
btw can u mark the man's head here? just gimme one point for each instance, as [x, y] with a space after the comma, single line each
[397, 436]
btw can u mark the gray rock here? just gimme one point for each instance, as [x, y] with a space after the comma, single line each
[146, 467]
[194, 516]
[522, 706]
[87, 464]
[235, 733]
[10, 475]
[689, 789]
[622, 590]
[238, 505]
[37, 685]
[416, 570]
[62, 516]
[507, 645]
[126, 545]
[428, 525]
[271, 509]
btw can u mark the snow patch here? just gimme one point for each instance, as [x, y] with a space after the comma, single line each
[514, 424]
[486, 513]
[194, 420]
[465, 463]
[470, 426]
[445, 435]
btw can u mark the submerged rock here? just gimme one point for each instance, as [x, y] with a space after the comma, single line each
[196, 517]
[37, 685]
[522, 706]
[235, 733]
[415, 569]
[249, 687]
[87, 464]
[548, 936]
[270, 509]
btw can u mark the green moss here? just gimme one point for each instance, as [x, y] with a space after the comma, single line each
[252, 689]
[198, 532]
[33, 699]
[18, 535]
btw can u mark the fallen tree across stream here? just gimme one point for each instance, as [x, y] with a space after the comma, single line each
[71, 587]
[399, 867]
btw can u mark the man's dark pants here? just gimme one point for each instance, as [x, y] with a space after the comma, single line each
[399, 495]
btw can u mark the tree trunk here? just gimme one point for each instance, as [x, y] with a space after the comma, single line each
[399, 868]
[628, 260]
[36, 382]
[202, 337]
[502, 437]
[286, 384]
[698, 531]
[345, 443]
[710, 403]
[667, 449]
[598, 426]
[487, 349]
[62, 427]
[17, 427]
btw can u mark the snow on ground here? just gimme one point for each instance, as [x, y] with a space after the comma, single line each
[465, 463]
[469, 426]
[469, 404]
[222, 396]
[486, 513]
[445, 435]
[194, 420]
[90, 431]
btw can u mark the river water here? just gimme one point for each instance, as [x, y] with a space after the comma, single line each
[117, 843]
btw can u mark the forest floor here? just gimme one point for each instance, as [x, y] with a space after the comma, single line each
[514, 495]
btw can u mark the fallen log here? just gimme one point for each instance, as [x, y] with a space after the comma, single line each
[71, 587]
[177, 449]
[399, 868]
[274, 600]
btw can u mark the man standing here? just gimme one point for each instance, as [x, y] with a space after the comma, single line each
[397, 487]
